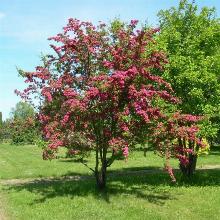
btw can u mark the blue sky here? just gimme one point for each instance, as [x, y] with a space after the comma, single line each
[25, 26]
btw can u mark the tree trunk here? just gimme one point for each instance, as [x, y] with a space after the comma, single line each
[189, 169]
[100, 174]
[101, 178]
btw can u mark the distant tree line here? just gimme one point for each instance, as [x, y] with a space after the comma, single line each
[22, 126]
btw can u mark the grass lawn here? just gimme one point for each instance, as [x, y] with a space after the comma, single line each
[26, 162]
[131, 196]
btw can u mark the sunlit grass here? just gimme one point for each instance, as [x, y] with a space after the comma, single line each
[129, 195]
[26, 162]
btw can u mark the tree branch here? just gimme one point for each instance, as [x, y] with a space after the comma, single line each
[85, 164]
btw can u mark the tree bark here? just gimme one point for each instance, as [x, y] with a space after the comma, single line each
[189, 169]
[100, 174]
[101, 178]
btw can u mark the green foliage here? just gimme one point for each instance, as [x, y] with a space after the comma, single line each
[22, 127]
[1, 126]
[22, 111]
[191, 39]
[1, 119]
[5, 130]
[24, 131]
[116, 25]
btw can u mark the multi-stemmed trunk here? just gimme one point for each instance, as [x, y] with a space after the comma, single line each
[101, 168]
[189, 168]
[101, 177]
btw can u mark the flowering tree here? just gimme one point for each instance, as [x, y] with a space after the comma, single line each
[177, 137]
[99, 93]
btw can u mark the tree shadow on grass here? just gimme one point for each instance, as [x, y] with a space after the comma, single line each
[72, 160]
[215, 150]
[83, 188]
[153, 187]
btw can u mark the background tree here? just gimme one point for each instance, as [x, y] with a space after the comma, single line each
[22, 111]
[6, 131]
[191, 39]
[22, 127]
[1, 126]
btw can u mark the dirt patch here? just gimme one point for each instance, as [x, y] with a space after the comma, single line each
[41, 180]
[209, 167]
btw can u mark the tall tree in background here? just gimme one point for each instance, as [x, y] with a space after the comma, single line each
[22, 126]
[1, 124]
[191, 39]
[22, 111]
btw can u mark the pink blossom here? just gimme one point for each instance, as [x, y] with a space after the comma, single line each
[92, 92]
[55, 144]
[170, 171]
[105, 88]
[126, 152]
[133, 23]
[65, 118]
[69, 93]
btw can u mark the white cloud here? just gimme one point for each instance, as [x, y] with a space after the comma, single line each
[2, 15]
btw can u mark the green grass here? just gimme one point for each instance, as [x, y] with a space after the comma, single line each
[26, 162]
[148, 196]
[128, 196]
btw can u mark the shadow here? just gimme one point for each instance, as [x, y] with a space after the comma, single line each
[143, 168]
[154, 187]
[72, 160]
[215, 150]
[156, 176]
[74, 184]
[203, 177]
[50, 189]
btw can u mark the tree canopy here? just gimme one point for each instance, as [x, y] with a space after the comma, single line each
[22, 111]
[191, 39]
[22, 127]
[99, 93]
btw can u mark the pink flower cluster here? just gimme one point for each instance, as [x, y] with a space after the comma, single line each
[46, 93]
[69, 93]
[65, 119]
[126, 152]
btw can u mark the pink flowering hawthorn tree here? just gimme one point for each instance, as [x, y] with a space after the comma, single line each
[177, 137]
[98, 93]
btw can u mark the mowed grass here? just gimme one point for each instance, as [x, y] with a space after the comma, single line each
[146, 196]
[142, 195]
[26, 162]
